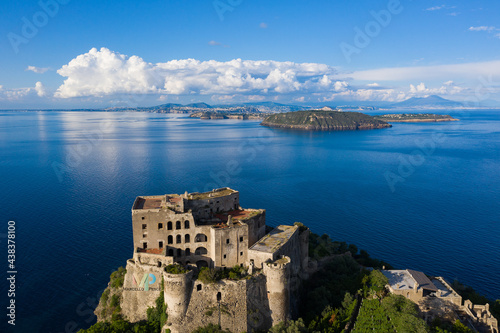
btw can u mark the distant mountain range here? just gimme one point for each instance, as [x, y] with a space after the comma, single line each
[418, 103]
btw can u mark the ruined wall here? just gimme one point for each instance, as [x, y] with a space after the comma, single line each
[135, 299]
[229, 245]
[203, 208]
[256, 227]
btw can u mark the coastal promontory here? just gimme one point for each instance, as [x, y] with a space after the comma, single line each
[319, 120]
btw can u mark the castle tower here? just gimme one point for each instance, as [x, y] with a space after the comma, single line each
[177, 289]
[278, 288]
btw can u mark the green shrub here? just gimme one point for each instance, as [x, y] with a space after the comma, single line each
[117, 277]
[115, 301]
[207, 275]
[105, 296]
[175, 269]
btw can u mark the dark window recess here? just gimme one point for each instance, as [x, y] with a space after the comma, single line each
[198, 287]
[160, 226]
[144, 226]
[177, 225]
[224, 256]
[186, 224]
[227, 241]
[160, 244]
[241, 239]
[241, 254]
[145, 245]
[188, 252]
[143, 217]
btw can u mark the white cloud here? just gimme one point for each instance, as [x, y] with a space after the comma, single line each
[38, 70]
[214, 43]
[436, 8]
[497, 35]
[448, 88]
[374, 84]
[263, 25]
[104, 72]
[19, 94]
[470, 71]
[40, 89]
[482, 28]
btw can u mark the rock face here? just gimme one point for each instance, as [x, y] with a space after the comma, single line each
[318, 120]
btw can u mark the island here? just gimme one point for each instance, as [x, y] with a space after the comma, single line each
[319, 120]
[226, 115]
[415, 118]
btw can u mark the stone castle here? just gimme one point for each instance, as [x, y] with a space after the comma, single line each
[211, 230]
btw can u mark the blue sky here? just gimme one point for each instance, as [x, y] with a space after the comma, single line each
[114, 53]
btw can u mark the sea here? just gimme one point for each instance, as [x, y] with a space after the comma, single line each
[422, 196]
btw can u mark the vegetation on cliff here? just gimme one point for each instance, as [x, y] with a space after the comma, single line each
[318, 120]
[157, 316]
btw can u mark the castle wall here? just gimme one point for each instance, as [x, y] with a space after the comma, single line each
[177, 291]
[135, 300]
[229, 245]
[203, 208]
[256, 228]
[278, 289]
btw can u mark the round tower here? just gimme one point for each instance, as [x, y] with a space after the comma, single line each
[278, 288]
[177, 288]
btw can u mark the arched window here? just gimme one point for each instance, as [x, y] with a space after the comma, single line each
[169, 225]
[170, 239]
[200, 238]
[188, 252]
[179, 252]
[186, 224]
[178, 225]
[178, 239]
[170, 252]
[200, 251]
[187, 239]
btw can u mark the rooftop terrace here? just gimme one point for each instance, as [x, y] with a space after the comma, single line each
[406, 279]
[148, 202]
[271, 242]
[238, 215]
[221, 192]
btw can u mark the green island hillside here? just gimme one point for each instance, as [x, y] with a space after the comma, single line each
[415, 117]
[318, 120]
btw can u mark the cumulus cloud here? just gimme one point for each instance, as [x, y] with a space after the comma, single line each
[38, 70]
[104, 72]
[448, 88]
[40, 89]
[19, 94]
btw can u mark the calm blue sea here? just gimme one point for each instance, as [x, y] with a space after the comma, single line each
[420, 196]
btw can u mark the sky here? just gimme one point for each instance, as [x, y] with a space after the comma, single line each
[85, 54]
